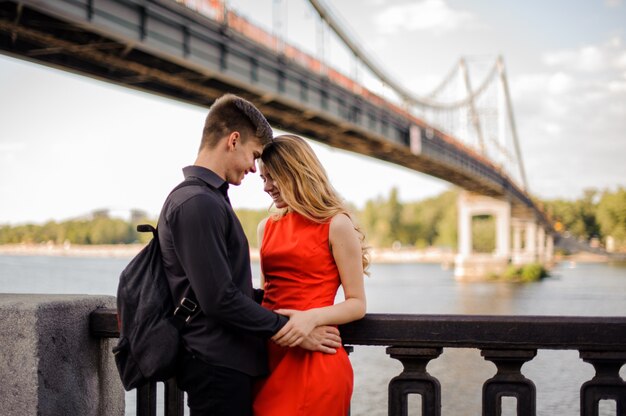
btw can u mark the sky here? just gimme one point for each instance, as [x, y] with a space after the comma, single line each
[70, 144]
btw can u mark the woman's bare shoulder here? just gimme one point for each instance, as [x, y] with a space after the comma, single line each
[341, 224]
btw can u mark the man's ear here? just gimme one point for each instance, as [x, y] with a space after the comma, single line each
[233, 140]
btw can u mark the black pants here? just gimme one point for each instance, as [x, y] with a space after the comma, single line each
[213, 390]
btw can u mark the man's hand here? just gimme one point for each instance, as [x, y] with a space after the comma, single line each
[300, 325]
[324, 339]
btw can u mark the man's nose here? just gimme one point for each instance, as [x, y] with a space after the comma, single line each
[253, 168]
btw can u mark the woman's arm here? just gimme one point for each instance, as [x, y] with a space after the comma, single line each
[346, 249]
[260, 231]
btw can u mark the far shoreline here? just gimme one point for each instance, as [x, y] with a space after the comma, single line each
[378, 255]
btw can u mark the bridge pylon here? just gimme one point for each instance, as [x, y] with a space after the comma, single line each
[518, 240]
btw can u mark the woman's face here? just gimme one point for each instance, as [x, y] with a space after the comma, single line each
[270, 186]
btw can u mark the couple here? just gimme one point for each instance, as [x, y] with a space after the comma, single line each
[283, 356]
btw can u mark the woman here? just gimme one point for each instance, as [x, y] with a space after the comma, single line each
[309, 248]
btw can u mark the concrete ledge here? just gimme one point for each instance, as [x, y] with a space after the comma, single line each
[50, 365]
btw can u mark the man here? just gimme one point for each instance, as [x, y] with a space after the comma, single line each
[206, 258]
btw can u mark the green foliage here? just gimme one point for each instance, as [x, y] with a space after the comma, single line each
[484, 234]
[446, 228]
[512, 272]
[533, 272]
[527, 273]
[394, 216]
[250, 220]
[578, 217]
[385, 221]
[594, 215]
[611, 216]
[100, 229]
[420, 224]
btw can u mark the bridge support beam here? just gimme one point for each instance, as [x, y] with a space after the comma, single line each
[549, 255]
[520, 240]
[468, 264]
[541, 244]
[528, 253]
[517, 253]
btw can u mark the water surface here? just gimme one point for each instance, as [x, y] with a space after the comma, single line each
[584, 290]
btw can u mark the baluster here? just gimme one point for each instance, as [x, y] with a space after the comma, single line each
[606, 384]
[174, 399]
[146, 400]
[414, 379]
[509, 381]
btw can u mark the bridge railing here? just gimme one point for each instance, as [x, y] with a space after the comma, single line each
[507, 341]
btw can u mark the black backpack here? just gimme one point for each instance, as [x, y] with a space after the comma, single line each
[149, 324]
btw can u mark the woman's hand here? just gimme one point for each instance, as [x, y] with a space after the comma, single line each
[300, 325]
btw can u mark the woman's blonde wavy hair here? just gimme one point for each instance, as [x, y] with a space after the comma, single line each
[304, 184]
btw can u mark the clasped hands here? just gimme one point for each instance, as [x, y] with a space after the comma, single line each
[303, 330]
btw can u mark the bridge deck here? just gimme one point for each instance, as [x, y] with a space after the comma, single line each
[163, 47]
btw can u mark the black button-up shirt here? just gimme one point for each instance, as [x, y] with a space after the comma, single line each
[203, 245]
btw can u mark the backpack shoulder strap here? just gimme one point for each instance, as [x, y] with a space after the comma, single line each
[147, 228]
[189, 181]
[188, 307]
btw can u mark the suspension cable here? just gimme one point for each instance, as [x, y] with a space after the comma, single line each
[404, 94]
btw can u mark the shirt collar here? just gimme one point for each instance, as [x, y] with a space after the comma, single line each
[208, 176]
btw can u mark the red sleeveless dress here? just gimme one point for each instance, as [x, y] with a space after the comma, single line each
[300, 273]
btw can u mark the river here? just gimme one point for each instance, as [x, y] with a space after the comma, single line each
[585, 289]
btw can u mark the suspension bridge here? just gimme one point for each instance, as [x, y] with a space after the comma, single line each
[463, 131]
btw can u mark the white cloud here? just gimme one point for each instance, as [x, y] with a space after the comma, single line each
[543, 94]
[559, 58]
[527, 84]
[554, 107]
[589, 58]
[615, 41]
[579, 94]
[612, 3]
[620, 61]
[427, 15]
[553, 129]
[575, 81]
[560, 83]
[592, 58]
[10, 147]
[617, 86]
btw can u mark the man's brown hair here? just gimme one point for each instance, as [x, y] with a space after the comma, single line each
[231, 113]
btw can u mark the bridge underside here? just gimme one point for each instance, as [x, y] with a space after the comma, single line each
[163, 48]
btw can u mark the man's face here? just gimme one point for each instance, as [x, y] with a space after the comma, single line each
[244, 156]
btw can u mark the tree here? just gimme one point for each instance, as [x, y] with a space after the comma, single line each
[484, 233]
[250, 220]
[447, 225]
[611, 216]
[372, 221]
[578, 217]
[394, 216]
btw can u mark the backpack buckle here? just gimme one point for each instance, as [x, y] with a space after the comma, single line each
[188, 307]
